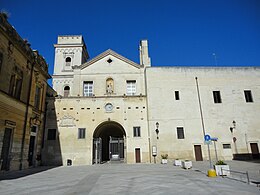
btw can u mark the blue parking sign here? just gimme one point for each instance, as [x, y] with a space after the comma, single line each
[207, 138]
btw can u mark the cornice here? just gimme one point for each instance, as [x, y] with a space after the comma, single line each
[68, 45]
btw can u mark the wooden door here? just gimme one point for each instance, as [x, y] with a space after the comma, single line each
[198, 153]
[6, 149]
[31, 150]
[137, 155]
[255, 151]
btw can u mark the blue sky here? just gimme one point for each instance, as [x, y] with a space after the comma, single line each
[180, 33]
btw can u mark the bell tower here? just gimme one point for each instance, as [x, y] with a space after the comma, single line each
[70, 50]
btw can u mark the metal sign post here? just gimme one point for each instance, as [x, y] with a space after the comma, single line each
[214, 139]
[207, 139]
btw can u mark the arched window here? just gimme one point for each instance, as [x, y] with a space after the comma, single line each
[66, 91]
[109, 86]
[68, 61]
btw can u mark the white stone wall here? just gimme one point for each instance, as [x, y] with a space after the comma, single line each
[171, 113]
[89, 113]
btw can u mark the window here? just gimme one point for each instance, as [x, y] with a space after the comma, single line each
[11, 86]
[16, 82]
[68, 61]
[177, 95]
[217, 97]
[137, 131]
[109, 60]
[88, 88]
[18, 88]
[1, 61]
[180, 133]
[51, 134]
[226, 146]
[130, 87]
[37, 97]
[66, 91]
[10, 47]
[248, 96]
[81, 133]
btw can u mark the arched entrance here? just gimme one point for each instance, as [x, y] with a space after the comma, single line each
[108, 142]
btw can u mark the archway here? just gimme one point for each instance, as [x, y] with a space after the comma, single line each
[108, 142]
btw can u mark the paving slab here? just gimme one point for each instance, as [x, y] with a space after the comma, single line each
[123, 179]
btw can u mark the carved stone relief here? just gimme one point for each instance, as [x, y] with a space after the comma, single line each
[67, 121]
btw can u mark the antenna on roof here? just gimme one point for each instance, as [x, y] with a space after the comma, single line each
[215, 58]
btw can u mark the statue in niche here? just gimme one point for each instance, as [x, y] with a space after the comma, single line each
[110, 86]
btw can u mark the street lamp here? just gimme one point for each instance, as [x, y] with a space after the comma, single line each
[157, 129]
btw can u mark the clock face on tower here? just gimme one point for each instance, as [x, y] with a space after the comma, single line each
[109, 107]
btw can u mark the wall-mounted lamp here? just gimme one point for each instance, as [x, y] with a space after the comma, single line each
[157, 129]
[233, 127]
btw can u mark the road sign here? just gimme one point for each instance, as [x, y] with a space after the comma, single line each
[208, 142]
[207, 138]
[214, 139]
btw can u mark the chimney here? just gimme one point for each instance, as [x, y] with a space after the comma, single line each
[143, 52]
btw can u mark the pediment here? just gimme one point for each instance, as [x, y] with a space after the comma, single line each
[107, 53]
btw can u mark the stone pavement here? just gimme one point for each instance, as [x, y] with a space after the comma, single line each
[124, 179]
[252, 167]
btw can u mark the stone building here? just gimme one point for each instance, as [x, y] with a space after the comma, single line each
[110, 108]
[23, 83]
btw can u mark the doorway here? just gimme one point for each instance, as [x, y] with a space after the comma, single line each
[6, 149]
[255, 151]
[137, 155]
[108, 142]
[32, 143]
[31, 150]
[198, 153]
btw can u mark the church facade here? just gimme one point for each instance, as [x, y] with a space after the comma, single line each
[110, 108]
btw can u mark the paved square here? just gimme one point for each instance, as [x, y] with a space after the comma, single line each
[124, 179]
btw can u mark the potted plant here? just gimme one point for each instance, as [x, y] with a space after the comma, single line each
[186, 164]
[164, 158]
[177, 162]
[222, 168]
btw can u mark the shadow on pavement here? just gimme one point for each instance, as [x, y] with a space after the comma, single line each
[251, 161]
[8, 175]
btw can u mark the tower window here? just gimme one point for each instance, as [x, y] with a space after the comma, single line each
[68, 61]
[66, 91]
